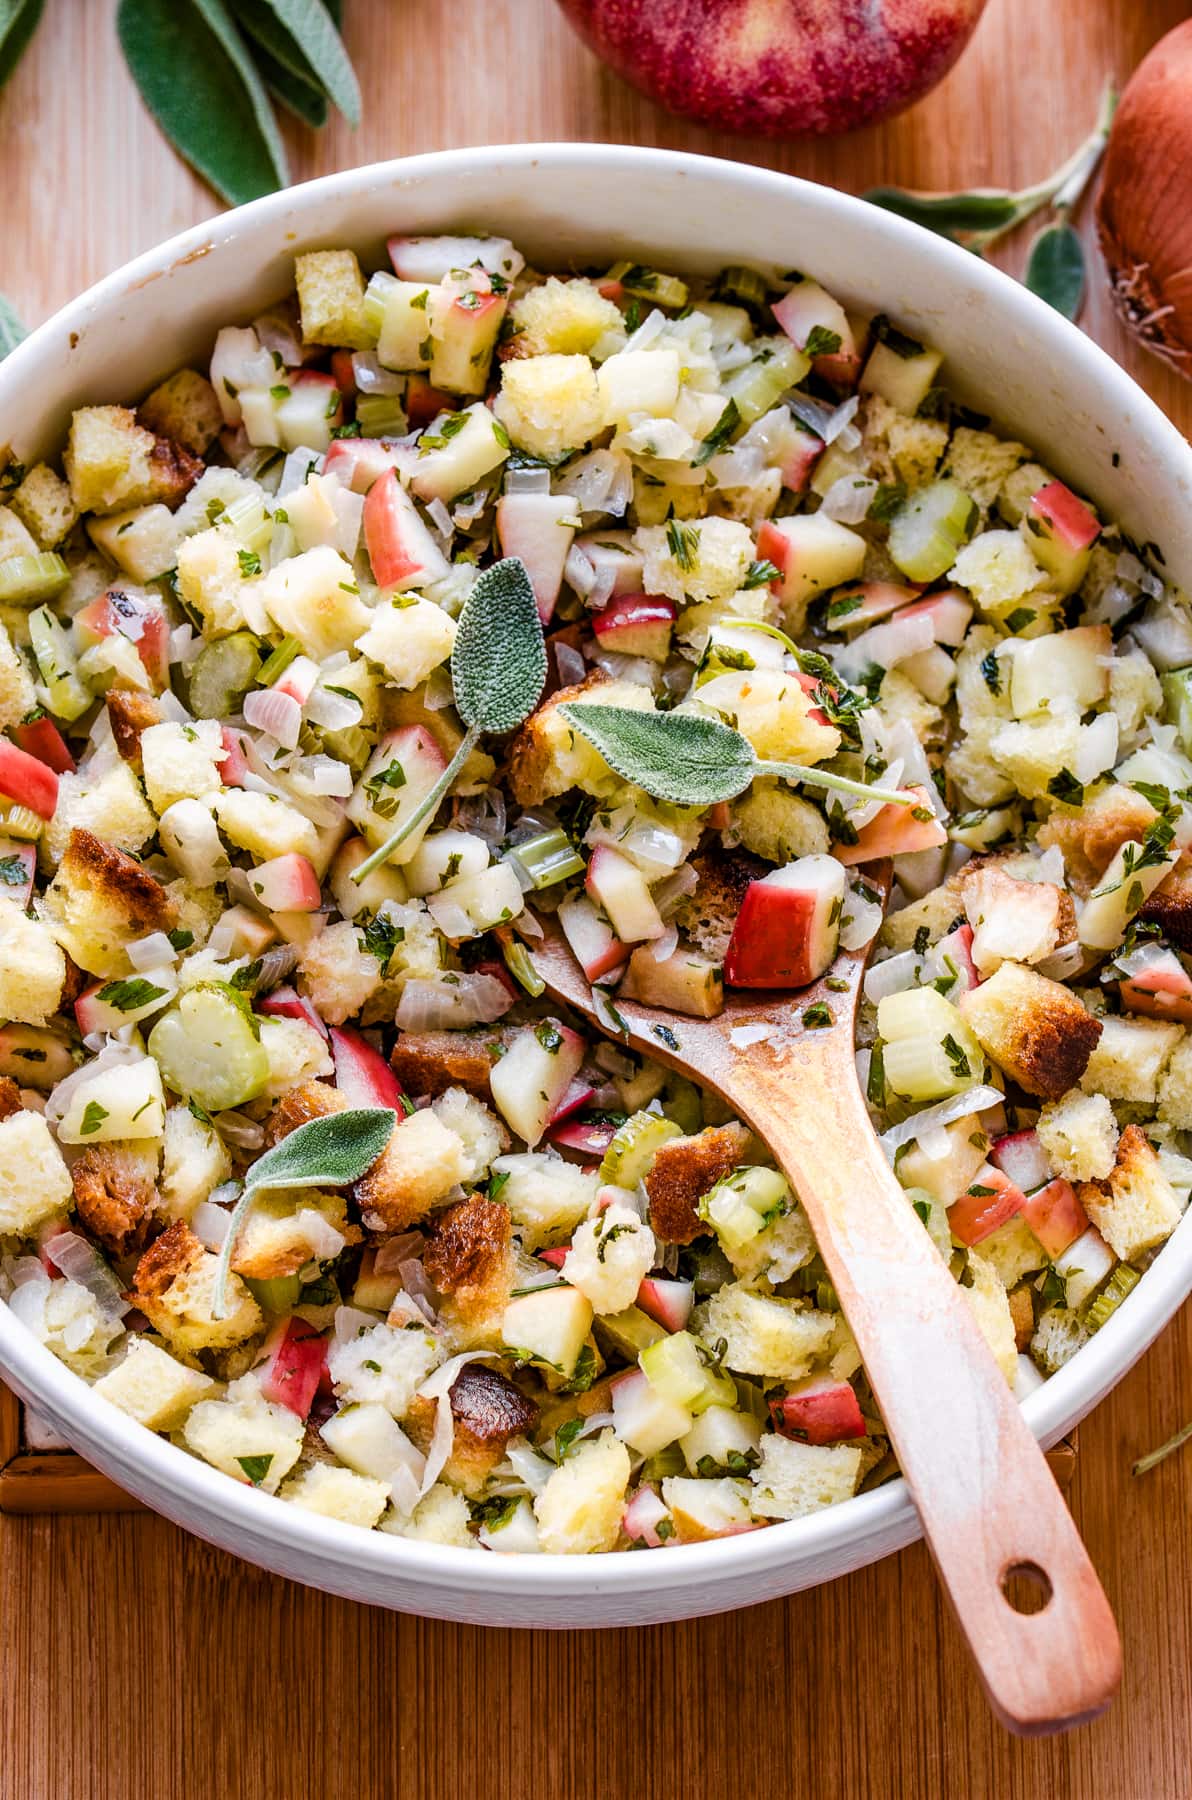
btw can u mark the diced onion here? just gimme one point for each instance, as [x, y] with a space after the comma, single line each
[742, 1037]
[483, 815]
[527, 481]
[946, 1112]
[296, 469]
[372, 377]
[152, 952]
[350, 1321]
[862, 919]
[570, 664]
[839, 424]
[278, 715]
[82, 1263]
[579, 571]
[666, 945]
[469, 999]
[600, 482]
[895, 975]
[246, 1134]
[533, 1470]
[848, 500]
[210, 1224]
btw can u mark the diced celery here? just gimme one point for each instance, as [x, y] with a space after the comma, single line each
[547, 859]
[681, 1102]
[923, 1068]
[277, 1295]
[650, 284]
[743, 286]
[222, 674]
[628, 1333]
[740, 1206]
[634, 1147]
[380, 415]
[916, 1011]
[249, 522]
[668, 1461]
[375, 295]
[66, 697]
[207, 1048]
[1123, 1280]
[1177, 695]
[520, 965]
[776, 366]
[26, 580]
[930, 528]
[677, 1368]
[279, 661]
[20, 822]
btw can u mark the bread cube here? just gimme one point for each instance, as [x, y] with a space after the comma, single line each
[153, 1387]
[113, 463]
[1092, 837]
[682, 1171]
[422, 1162]
[1059, 1334]
[1032, 1028]
[286, 1230]
[766, 1335]
[17, 695]
[1033, 752]
[34, 1180]
[384, 1365]
[32, 968]
[564, 318]
[440, 1517]
[100, 899]
[111, 808]
[777, 825]
[337, 974]
[296, 1052]
[316, 598]
[331, 295]
[43, 503]
[246, 1436]
[487, 1411]
[998, 570]
[1126, 1063]
[211, 580]
[546, 1196]
[15, 540]
[795, 1479]
[550, 405]
[264, 825]
[609, 1257]
[184, 407]
[982, 463]
[772, 710]
[174, 1287]
[1079, 1135]
[708, 561]
[479, 1131]
[991, 1308]
[900, 447]
[548, 756]
[143, 543]
[181, 762]
[195, 1161]
[579, 1509]
[1136, 1208]
[336, 1493]
[408, 638]
[1175, 1087]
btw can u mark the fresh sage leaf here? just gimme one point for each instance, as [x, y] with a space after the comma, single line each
[199, 82]
[949, 213]
[306, 103]
[1055, 269]
[327, 1152]
[301, 36]
[19, 19]
[12, 332]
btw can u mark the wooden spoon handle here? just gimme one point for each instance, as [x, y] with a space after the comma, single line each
[989, 1506]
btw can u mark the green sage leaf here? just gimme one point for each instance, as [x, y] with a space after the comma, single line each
[306, 103]
[199, 82]
[301, 36]
[498, 665]
[949, 213]
[679, 757]
[12, 332]
[19, 19]
[1055, 269]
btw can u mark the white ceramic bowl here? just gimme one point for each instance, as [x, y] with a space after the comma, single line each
[1006, 352]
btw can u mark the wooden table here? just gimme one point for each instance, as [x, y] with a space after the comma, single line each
[137, 1662]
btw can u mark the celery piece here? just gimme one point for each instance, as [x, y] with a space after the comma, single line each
[776, 366]
[1177, 696]
[222, 674]
[635, 1144]
[380, 415]
[277, 1295]
[922, 1068]
[547, 859]
[66, 697]
[209, 1049]
[249, 522]
[930, 528]
[680, 1369]
[375, 296]
[279, 661]
[649, 284]
[740, 1206]
[628, 1333]
[741, 287]
[520, 966]
[667, 1461]
[27, 580]
[1122, 1282]
[681, 1102]
[20, 822]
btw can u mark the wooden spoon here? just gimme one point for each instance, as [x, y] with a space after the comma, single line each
[999, 1531]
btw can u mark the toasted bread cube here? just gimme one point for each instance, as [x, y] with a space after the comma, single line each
[336, 1493]
[991, 1308]
[212, 581]
[550, 405]
[777, 825]
[384, 1365]
[487, 1410]
[116, 1193]
[1136, 1208]
[264, 826]
[901, 447]
[331, 295]
[683, 1171]
[422, 1162]
[481, 1133]
[773, 712]
[111, 808]
[195, 1161]
[1058, 1336]
[430, 1062]
[546, 1196]
[286, 1230]
[315, 596]
[181, 762]
[1092, 837]
[153, 1387]
[548, 756]
[100, 899]
[998, 570]
[766, 1335]
[1126, 1063]
[1034, 1029]
[43, 503]
[708, 914]
[982, 463]
[337, 974]
[112, 463]
[174, 1287]
[143, 543]
[17, 695]
[408, 639]
[563, 318]
[34, 1180]
[579, 1509]
[1079, 1135]
[32, 968]
[183, 407]
[15, 540]
[246, 1436]
[795, 1479]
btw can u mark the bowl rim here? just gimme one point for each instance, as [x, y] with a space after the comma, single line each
[832, 1534]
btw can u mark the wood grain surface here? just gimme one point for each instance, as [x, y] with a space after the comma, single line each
[137, 1662]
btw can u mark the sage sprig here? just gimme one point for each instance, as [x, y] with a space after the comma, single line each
[327, 1152]
[498, 672]
[689, 760]
[19, 19]
[1155, 1457]
[12, 332]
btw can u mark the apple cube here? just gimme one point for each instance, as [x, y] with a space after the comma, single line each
[900, 376]
[722, 1437]
[614, 555]
[592, 941]
[431, 258]
[442, 857]
[107, 1006]
[375, 1290]
[702, 1509]
[953, 956]
[286, 884]
[643, 1418]
[359, 462]
[1159, 987]
[40, 737]
[643, 1515]
[551, 1323]
[683, 982]
[1061, 530]
[587, 1140]
[362, 1074]
[818, 325]
[1056, 1216]
[811, 553]
[1123, 888]
[1083, 1266]
[867, 603]
[788, 928]
[285, 1003]
[396, 780]
[992, 1198]
[142, 621]
[532, 1076]
[895, 831]
[667, 1301]
[305, 417]
[636, 625]
[538, 528]
[27, 781]
[450, 461]
[820, 1410]
[400, 547]
[1021, 1156]
[295, 1357]
[621, 889]
[368, 1439]
[34, 1057]
[466, 317]
[950, 613]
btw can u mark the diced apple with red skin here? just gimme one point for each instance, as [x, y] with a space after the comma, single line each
[18, 865]
[1021, 1156]
[991, 1200]
[286, 884]
[957, 947]
[808, 308]
[820, 1410]
[811, 553]
[667, 1302]
[234, 767]
[400, 773]
[467, 318]
[868, 602]
[295, 1356]
[643, 1515]
[788, 929]
[1162, 989]
[579, 1094]
[362, 1074]
[636, 625]
[431, 258]
[798, 462]
[556, 1257]
[592, 941]
[588, 1140]
[950, 612]
[538, 528]
[643, 1419]
[614, 552]
[298, 682]
[343, 372]
[285, 1003]
[1061, 530]
[810, 685]
[621, 889]
[686, 981]
[533, 1075]
[425, 402]
[143, 622]
[400, 546]
[27, 781]
[41, 738]
[1055, 1216]
[359, 462]
[895, 831]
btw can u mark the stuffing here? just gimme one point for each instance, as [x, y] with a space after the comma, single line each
[987, 1297]
[608, 1258]
[130, 714]
[181, 761]
[44, 505]
[15, 540]
[314, 1100]
[1175, 1087]
[1127, 1061]
[997, 569]
[1033, 752]
[1135, 692]
[1090, 838]
[440, 1517]
[899, 447]
[487, 1410]
[981, 463]
[563, 318]
[384, 1364]
[1034, 1029]
[336, 1493]
[99, 899]
[195, 1161]
[286, 1230]
[1079, 1135]
[1019, 921]
[331, 296]
[184, 407]
[683, 1171]
[10, 1098]
[469, 1258]
[111, 462]
[297, 1054]
[546, 1196]
[431, 1062]
[766, 1335]
[550, 405]
[776, 1253]
[775, 713]
[548, 757]
[265, 826]
[421, 1164]
[795, 1479]
[115, 1193]
[408, 638]
[17, 696]
[1136, 1207]
[111, 807]
[337, 974]
[213, 583]
[246, 1436]
[174, 1286]
[708, 561]
[32, 968]
[1059, 1334]
[579, 1509]
[479, 1131]
[152, 1387]
[34, 1180]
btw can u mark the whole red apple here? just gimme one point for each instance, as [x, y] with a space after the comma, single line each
[779, 68]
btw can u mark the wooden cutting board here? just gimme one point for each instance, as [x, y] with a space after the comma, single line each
[136, 1660]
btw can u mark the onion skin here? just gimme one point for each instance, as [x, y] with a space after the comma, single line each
[779, 68]
[1144, 219]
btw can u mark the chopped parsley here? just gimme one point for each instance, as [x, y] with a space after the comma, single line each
[822, 342]
[380, 938]
[93, 1117]
[128, 996]
[959, 1061]
[1065, 787]
[256, 1467]
[719, 435]
[682, 541]
[760, 573]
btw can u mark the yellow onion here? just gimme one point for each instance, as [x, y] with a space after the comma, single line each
[1144, 218]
